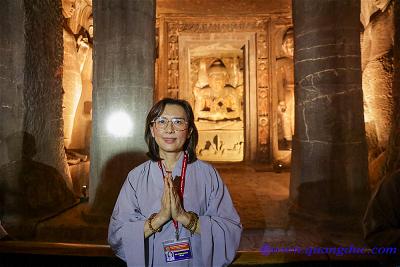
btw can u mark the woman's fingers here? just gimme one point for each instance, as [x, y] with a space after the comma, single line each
[165, 211]
[169, 180]
[175, 198]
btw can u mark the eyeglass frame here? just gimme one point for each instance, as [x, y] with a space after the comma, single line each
[170, 121]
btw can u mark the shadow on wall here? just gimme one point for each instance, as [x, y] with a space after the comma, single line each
[30, 191]
[113, 176]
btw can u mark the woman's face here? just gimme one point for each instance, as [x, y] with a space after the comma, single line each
[169, 139]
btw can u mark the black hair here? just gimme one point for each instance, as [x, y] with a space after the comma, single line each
[155, 112]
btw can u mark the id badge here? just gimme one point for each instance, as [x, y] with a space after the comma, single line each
[177, 250]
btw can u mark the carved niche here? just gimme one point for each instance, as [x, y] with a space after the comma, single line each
[246, 112]
[217, 86]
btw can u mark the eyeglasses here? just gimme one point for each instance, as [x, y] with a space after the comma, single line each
[179, 124]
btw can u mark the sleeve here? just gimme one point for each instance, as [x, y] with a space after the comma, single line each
[126, 229]
[220, 226]
[382, 218]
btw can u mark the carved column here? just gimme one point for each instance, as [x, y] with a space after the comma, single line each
[329, 160]
[12, 54]
[263, 96]
[43, 83]
[123, 82]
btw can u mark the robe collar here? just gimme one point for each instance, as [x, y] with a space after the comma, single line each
[157, 174]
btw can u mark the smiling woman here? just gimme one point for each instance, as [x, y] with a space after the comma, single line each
[160, 134]
[174, 208]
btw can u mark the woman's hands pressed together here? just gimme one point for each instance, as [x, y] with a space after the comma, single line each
[163, 216]
[171, 207]
[165, 211]
[171, 204]
[178, 213]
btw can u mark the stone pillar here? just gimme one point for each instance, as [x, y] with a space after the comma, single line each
[31, 53]
[329, 160]
[12, 54]
[43, 82]
[123, 81]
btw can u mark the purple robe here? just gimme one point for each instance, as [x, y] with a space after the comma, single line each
[205, 194]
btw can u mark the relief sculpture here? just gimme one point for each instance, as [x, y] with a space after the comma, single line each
[77, 69]
[209, 72]
[285, 86]
[377, 46]
[218, 100]
[218, 107]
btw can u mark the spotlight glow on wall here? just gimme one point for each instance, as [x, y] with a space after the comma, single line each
[119, 124]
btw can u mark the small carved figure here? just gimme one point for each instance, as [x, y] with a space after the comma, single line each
[285, 84]
[173, 47]
[173, 76]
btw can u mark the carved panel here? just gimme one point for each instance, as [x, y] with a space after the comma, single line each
[217, 86]
[263, 134]
[221, 145]
[263, 95]
[176, 26]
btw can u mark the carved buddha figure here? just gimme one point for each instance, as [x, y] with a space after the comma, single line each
[218, 100]
[78, 15]
[285, 84]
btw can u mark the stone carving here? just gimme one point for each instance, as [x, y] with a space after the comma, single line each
[377, 66]
[173, 65]
[173, 93]
[285, 87]
[77, 65]
[226, 26]
[218, 100]
[72, 84]
[235, 73]
[262, 47]
[263, 135]
[199, 75]
[201, 71]
[377, 17]
[173, 75]
[173, 47]
[221, 146]
[218, 107]
[262, 77]
[263, 97]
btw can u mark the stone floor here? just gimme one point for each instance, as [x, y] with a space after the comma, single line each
[260, 197]
[261, 200]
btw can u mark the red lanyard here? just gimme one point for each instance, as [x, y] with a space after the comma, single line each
[182, 183]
